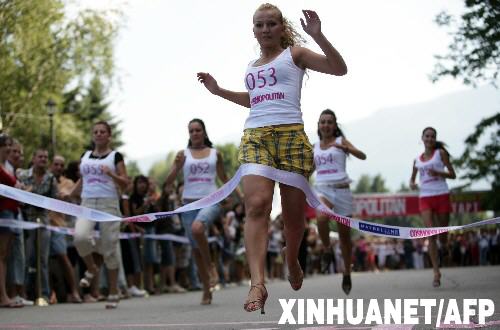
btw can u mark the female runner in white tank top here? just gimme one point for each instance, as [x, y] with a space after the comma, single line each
[200, 164]
[274, 134]
[434, 195]
[103, 175]
[332, 187]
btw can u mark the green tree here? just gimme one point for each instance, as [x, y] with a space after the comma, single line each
[368, 184]
[133, 169]
[474, 56]
[160, 169]
[483, 162]
[229, 152]
[474, 52]
[378, 185]
[43, 52]
[363, 185]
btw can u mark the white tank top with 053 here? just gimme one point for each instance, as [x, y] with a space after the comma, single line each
[274, 89]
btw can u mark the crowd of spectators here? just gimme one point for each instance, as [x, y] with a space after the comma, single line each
[151, 266]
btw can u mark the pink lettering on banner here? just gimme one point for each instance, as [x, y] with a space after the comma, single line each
[340, 219]
[139, 218]
[426, 232]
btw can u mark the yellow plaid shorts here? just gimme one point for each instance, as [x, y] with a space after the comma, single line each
[282, 147]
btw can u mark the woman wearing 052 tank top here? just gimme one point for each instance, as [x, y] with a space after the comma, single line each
[434, 195]
[332, 187]
[103, 174]
[274, 134]
[200, 164]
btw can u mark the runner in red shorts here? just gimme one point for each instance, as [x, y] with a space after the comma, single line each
[434, 167]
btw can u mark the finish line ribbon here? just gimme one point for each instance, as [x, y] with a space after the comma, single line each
[26, 225]
[288, 178]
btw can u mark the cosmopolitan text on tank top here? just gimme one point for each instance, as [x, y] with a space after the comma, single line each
[274, 89]
[199, 175]
[330, 164]
[431, 185]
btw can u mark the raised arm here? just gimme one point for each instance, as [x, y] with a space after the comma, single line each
[240, 98]
[176, 167]
[413, 185]
[331, 62]
[349, 148]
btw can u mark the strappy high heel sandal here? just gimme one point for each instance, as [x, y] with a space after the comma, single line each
[295, 281]
[437, 280]
[86, 280]
[326, 260]
[259, 302]
[206, 299]
[346, 283]
[213, 277]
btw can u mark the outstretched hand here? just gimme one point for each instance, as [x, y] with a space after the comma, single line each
[312, 24]
[210, 83]
[179, 160]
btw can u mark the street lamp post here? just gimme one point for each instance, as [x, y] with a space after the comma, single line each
[51, 110]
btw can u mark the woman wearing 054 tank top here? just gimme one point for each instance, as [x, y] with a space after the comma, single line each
[103, 174]
[434, 195]
[200, 165]
[274, 134]
[332, 187]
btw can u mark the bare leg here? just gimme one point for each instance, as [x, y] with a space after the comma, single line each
[203, 259]
[5, 240]
[444, 221]
[345, 246]
[204, 277]
[198, 230]
[324, 225]
[69, 276]
[427, 216]
[113, 281]
[293, 206]
[258, 192]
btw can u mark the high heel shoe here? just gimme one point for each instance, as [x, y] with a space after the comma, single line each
[346, 283]
[295, 281]
[112, 301]
[213, 277]
[206, 298]
[86, 280]
[437, 280]
[256, 303]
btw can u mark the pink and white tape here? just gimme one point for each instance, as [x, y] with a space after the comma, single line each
[281, 176]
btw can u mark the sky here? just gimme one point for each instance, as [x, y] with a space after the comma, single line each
[388, 45]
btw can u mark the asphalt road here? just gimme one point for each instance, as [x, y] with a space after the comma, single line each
[183, 311]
